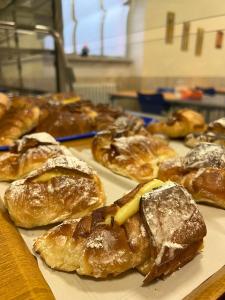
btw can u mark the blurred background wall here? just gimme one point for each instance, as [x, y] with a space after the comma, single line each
[145, 61]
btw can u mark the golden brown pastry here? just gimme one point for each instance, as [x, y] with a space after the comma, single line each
[201, 171]
[4, 104]
[194, 139]
[214, 134]
[156, 228]
[65, 98]
[181, 123]
[63, 120]
[29, 153]
[18, 121]
[217, 126]
[131, 152]
[63, 187]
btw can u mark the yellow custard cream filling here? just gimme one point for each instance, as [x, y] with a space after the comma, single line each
[51, 174]
[132, 207]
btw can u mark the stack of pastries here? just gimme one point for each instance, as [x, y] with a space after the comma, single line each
[57, 114]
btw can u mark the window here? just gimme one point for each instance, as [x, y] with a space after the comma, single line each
[101, 25]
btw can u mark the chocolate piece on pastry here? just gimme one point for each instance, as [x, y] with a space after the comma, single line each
[28, 154]
[134, 155]
[63, 187]
[182, 122]
[201, 171]
[156, 228]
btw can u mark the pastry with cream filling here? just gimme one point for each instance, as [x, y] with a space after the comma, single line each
[29, 153]
[131, 151]
[63, 187]
[156, 229]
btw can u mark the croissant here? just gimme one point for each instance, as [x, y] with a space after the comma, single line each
[156, 228]
[182, 122]
[131, 152]
[63, 187]
[62, 120]
[201, 172]
[29, 153]
[4, 104]
[16, 122]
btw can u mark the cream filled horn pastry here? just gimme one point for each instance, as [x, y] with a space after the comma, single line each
[201, 172]
[63, 187]
[132, 153]
[156, 228]
[29, 153]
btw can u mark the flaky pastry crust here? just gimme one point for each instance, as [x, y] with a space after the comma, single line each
[131, 152]
[201, 171]
[28, 154]
[149, 240]
[63, 187]
[182, 122]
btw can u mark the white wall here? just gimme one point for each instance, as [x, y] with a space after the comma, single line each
[152, 58]
[162, 60]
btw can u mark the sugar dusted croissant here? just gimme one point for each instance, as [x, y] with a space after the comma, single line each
[156, 228]
[131, 152]
[182, 122]
[63, 187]
[29, 153]
[201, 171]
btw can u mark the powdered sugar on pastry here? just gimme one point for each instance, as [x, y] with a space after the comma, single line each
[41, 137]
[205, 155]
[124, 142]
[65, 162]
[168, 210]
